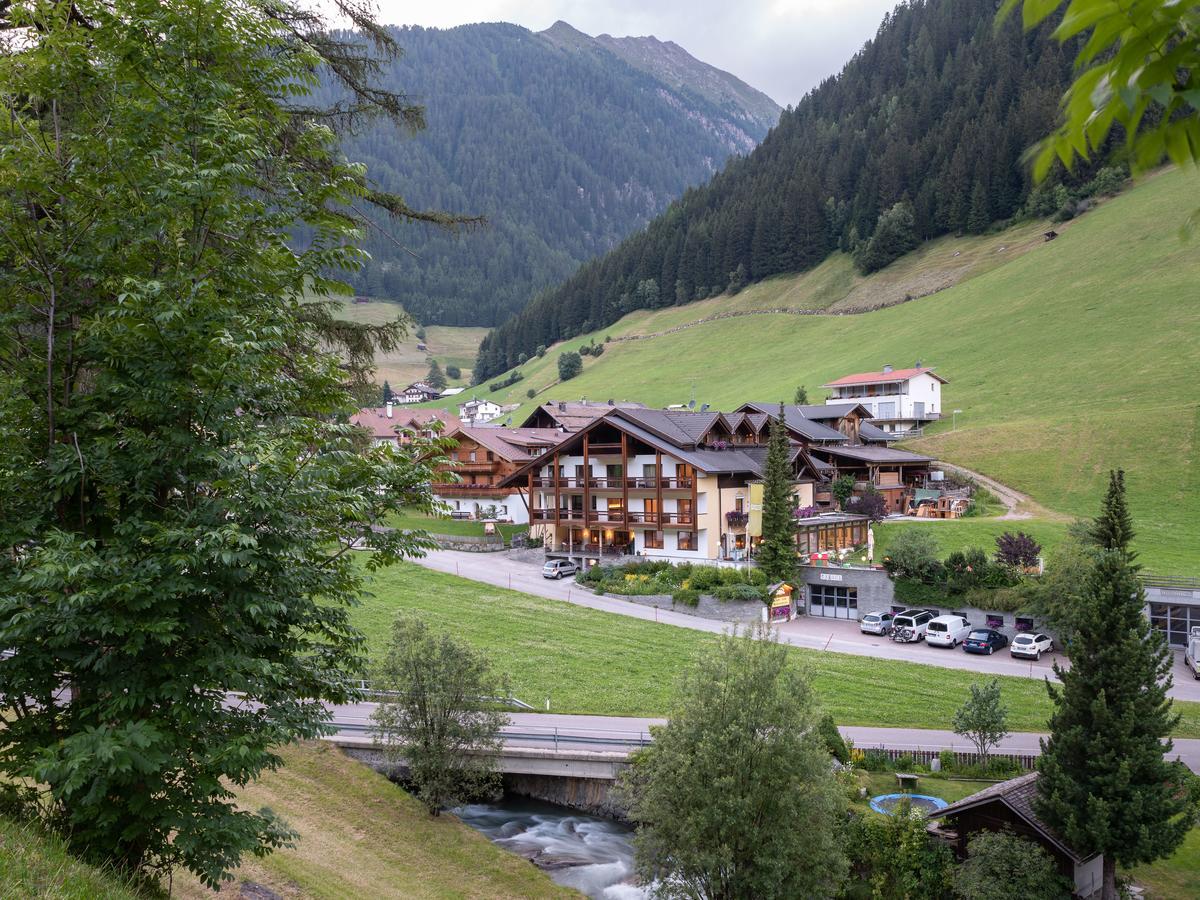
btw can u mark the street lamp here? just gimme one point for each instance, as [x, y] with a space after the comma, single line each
[954, 420]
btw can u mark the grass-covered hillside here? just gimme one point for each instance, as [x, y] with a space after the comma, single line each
[35, 864]
[1067, 358]
[449, 345]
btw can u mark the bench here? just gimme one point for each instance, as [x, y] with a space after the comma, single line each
[460, 514]
[906, 781]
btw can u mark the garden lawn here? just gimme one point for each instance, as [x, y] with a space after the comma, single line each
[411, 521]
[592, 662]
[1176, 878]
[362, 836]
[963, 534]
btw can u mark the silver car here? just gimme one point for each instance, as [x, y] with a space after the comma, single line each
[875, 623]
[1031, 645]
[557, 568]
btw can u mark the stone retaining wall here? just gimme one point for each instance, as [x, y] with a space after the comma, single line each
[741, 612]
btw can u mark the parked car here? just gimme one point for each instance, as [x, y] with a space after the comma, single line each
[1031, 645]
[946, 631]
[910, 625]
[557, 568]
[1191, 653]
[984, 640]
[875, 623]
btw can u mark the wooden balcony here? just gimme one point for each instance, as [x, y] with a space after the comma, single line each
[462, 487]
[484, 467]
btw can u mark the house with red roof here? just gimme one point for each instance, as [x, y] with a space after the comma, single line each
[899, 400]
[392, 426]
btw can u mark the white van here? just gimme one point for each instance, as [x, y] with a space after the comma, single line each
[946, 631]
[910, 625]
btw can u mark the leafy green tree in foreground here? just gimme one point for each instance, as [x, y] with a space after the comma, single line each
[777, 553]
[1105, 785]
[176, 502]
[897, 858]
[982, 719]
[1002, 866]
[1139, 71]
[736, 798]
[436, 718]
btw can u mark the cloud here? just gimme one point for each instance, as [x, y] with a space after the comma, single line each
[781, 47]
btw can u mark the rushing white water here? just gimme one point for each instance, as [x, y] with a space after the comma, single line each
[588, 853]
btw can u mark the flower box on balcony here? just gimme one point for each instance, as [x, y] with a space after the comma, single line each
[736, 518]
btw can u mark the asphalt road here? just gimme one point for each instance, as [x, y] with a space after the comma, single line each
[610, 733]
[838, 636]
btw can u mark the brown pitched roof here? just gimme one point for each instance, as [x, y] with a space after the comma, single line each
[375, 420]
[576, 415]
[512, 444]
[1018, 794]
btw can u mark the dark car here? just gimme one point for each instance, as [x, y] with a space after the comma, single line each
[984, 640]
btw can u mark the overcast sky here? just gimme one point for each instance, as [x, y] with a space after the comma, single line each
[781, 47]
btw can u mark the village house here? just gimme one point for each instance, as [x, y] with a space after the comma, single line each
[395, 427]
[1008, 806]
[477, 412]
[666, 484]
[418, 392]
[899, 400]
[481, 460]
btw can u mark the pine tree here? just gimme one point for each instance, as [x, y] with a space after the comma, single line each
[1104, 783]
[436, 378]
[1113, 528]
[777, 553]
[387, 392]
[979, 217]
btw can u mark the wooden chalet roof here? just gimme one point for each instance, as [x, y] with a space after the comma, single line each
[1018, 794]
[375, 420]
[511, 444]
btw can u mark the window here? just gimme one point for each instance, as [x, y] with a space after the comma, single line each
[491, 456]
[739, 504]
[472, 456]
[684, 507]
[685, 540]
[843, 598]
[653, 540]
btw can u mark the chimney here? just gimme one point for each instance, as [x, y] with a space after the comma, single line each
[887, 370]
[389, 409]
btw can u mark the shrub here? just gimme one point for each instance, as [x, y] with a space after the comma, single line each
[897, 858]
[1000, 864]
[739, 593]
[832, 739]
[1018, 549]
[948, 760]
[531, 393]
[918, 593]
[500, 385]
[453, 372]
[913, 554]
[570, 364]
[842, 489]
[540, 351]
[876, 761]
[870, 503]
[704, 578]
[686, 596]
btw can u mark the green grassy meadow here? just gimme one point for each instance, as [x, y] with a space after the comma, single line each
[362, 836]
[414, 521]
[35, 864]
[1068, 358]
[592, 662]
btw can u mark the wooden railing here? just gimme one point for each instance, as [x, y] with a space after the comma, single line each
[615, 484]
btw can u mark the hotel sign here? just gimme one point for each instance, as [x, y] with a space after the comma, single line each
[830, 576]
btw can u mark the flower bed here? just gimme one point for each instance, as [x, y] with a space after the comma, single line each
[685, 582]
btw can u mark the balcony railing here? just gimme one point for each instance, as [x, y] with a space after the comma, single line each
[616, 484]
[465, 487]
[478, 466]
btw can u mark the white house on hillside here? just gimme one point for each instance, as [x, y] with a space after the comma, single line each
[476, 412]
[899, 399]
[418, 392]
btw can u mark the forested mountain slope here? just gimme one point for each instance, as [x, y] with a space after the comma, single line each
[566, 148]
[935, 113]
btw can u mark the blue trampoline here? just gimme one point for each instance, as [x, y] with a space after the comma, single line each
[887, 803]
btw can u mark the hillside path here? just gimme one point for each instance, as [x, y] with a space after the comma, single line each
[1010, 497]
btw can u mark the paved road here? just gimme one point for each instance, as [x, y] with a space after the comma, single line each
[815, 633]
[629, 732]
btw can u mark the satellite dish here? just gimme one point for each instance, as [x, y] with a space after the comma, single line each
[691, 404]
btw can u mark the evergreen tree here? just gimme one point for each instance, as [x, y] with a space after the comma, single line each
[1105, 785]
[777, 553]
[801, 395]
[979, 216]
[1113, 528]
[387, 392]
[435, 377]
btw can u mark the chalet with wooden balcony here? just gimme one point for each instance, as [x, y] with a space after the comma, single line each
[481, 460]
[669, 484]
[390, 426]
[840, 439]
